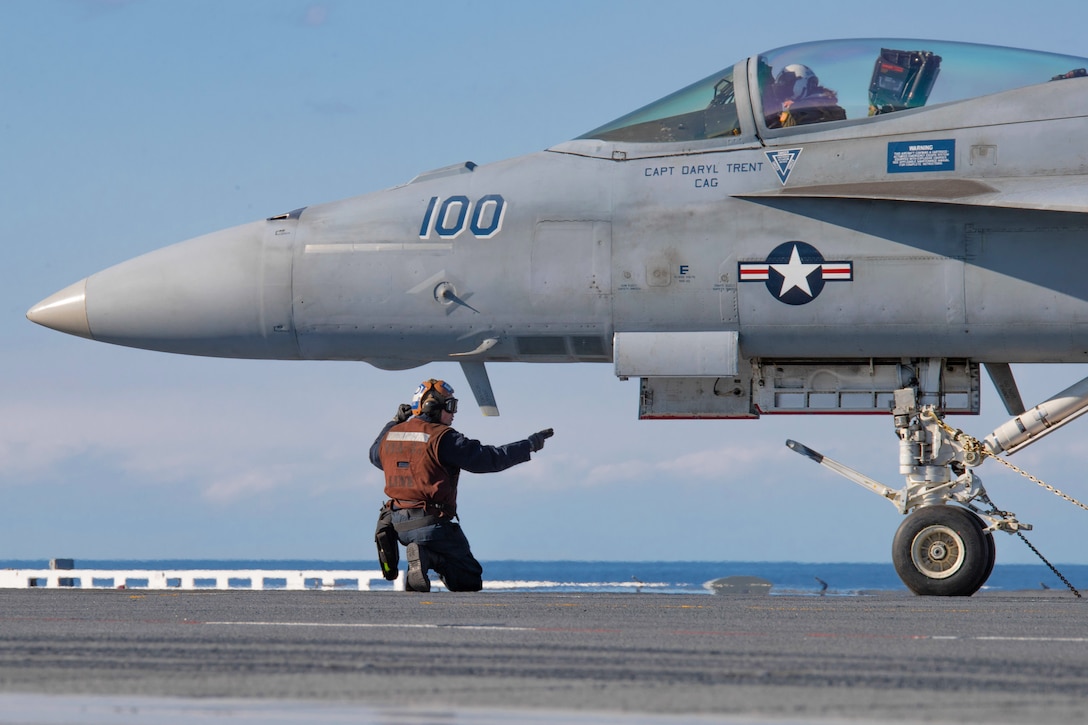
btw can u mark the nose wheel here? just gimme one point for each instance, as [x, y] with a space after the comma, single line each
[943, 550]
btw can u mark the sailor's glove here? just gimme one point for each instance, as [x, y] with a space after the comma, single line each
[404, 412]
[536, 440]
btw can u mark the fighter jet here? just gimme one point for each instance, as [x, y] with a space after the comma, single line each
[832, 227]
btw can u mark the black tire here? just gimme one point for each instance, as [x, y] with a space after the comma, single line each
[943, 551]
[992, 547]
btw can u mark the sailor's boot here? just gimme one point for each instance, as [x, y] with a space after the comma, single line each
[417, 580]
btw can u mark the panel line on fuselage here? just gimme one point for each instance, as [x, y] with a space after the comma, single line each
[378, 247]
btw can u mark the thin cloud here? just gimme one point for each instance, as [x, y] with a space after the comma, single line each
[245, 484]
[710, 464]
[170, 441]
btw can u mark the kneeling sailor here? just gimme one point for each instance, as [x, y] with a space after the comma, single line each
[422, 458]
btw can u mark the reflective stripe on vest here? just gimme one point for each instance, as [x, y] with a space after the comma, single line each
[407, 436]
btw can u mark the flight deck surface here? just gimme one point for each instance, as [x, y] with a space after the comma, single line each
[442, 657]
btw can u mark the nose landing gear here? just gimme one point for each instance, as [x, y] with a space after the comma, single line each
[941, 548]
[945, 546]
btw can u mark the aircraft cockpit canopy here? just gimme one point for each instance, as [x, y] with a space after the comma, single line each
[837, 80]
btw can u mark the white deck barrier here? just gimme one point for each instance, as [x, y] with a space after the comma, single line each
[196, 579]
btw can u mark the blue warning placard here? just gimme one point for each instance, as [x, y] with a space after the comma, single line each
[910, 156]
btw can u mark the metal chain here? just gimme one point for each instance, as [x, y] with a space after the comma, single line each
[973, 445]
[995, 510]
[1030, 477]
[1052, 568]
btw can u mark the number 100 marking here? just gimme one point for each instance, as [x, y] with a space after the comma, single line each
[448, 218]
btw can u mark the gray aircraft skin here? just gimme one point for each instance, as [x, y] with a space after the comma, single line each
[841, 226]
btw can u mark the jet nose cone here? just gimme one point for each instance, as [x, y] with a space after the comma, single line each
[65, 311]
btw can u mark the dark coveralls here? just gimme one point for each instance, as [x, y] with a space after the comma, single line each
[447, 549]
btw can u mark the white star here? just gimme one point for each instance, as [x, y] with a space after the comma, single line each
[795, 274]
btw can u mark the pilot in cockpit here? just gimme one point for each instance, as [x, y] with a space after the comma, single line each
[796, 98]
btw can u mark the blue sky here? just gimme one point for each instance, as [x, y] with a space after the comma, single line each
[132, 124]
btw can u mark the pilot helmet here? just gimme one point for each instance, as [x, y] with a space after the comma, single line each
[797, 80]
[432, 397]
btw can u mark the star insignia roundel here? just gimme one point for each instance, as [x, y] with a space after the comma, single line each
[795, 272]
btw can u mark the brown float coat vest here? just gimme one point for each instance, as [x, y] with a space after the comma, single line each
[414, 477]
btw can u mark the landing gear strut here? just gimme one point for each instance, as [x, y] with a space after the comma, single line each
[940, 549]
[945, 546]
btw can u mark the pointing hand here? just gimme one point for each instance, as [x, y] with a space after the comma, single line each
[536, 440]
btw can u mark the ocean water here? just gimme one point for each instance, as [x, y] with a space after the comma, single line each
[684, 577]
